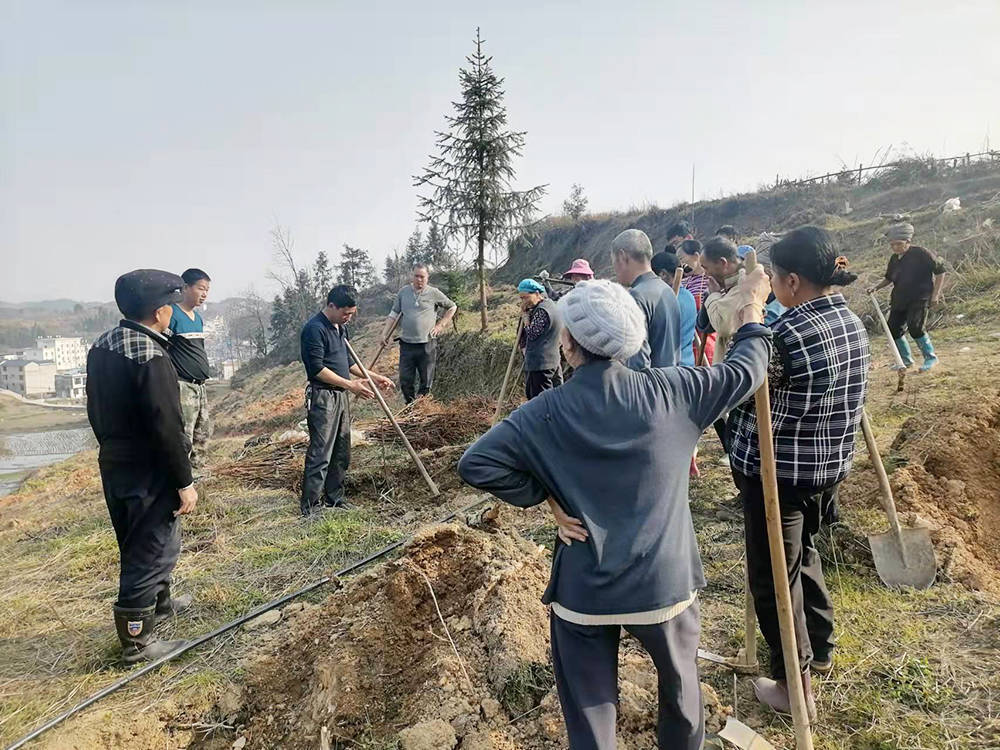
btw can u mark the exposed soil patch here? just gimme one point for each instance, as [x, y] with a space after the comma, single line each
[375, 662]
[952, 485]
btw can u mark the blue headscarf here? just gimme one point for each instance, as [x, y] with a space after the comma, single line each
[529, 286]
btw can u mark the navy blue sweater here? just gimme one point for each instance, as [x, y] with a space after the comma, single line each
[612, 446]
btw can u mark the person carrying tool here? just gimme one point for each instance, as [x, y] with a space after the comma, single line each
[329, 369]
[579, 271]
[187, 352]
[539, 340]
[916, 276]
[631, 257]
[415, 310]
[134, 408]
[818, 378]
[595, 448]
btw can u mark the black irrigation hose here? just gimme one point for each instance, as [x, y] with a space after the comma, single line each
[225, 629]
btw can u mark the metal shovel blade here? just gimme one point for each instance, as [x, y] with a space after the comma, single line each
[918, 568]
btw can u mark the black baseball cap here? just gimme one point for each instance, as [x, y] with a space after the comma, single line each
[139, 293]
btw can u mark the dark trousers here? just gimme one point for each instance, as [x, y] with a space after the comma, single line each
[141, 502]
[329, 454]
[537, 381]
[585, 660]
[912, 318]
[416, 365]
[812, 608]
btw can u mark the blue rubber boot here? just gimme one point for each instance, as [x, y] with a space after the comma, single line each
[904, 351]
[927, 348]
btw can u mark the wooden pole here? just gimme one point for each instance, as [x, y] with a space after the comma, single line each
[775, 541]
[388, 413]
[893, 349]
[385, 343]
[678, 277]
[510, 366]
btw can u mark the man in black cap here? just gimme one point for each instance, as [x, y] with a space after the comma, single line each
[133, 404]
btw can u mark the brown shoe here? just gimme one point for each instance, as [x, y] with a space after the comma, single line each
[774, 693]
[823, 667]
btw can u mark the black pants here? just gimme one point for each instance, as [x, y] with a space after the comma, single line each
[812, 608]
[585, 660]
[537, 381]
[913, 318]
[141, 502]
[416, 364]
[329, 454]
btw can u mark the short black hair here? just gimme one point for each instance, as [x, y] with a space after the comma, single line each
[193, 275]
[719, 248]
[342, 296]
[728, 231]
[811, 253]
[691, 247]
[680, 229]
[665, 263]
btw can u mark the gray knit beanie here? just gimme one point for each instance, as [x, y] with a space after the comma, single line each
[604, 319]
[903, 231]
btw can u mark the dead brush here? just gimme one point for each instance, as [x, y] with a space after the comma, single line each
[431, 424]
[266, 462]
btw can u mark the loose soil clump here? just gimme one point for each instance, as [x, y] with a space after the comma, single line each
[951, 485]
[444, 647]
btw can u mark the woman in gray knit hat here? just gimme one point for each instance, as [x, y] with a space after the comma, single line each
[916, 276]
[609, 450]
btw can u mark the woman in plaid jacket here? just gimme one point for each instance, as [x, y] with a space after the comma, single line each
[818, 376]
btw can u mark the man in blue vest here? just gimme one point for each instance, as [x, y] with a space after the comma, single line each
[539, 340]
[187, 352]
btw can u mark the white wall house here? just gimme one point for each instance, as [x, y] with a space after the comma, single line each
[28, 378]
[69, 353]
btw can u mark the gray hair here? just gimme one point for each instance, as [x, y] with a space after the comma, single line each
[418, 266]
[635, 244]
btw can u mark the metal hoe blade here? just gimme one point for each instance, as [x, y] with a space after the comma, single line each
[912, 565]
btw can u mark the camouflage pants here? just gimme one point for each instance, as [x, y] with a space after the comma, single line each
[197, 424]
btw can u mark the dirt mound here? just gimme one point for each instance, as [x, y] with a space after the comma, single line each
[952, 485]
[445, 647]
[430, 424]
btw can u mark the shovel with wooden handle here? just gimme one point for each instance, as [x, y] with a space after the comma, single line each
[900, 367]
[779, 569]
[903, 556]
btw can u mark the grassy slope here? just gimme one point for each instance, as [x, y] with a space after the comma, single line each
[916, 670]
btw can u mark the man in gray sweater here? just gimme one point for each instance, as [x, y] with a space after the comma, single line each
[610, 449]
[631, 257]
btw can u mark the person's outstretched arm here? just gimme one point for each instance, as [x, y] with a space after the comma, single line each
[495, 463]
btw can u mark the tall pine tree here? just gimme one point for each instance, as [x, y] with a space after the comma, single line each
[468, 183]
[356, 269]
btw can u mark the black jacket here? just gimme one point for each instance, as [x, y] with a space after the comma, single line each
[133, 403]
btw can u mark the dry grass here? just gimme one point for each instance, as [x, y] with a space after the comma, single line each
[429, 423]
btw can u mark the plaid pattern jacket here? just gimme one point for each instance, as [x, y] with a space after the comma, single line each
[817, 377]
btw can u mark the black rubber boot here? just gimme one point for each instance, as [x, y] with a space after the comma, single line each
[135, 631]
[168, 606]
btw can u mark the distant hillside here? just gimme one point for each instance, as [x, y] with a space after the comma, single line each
[851, 211]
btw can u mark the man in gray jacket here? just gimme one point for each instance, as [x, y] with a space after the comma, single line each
[611, 449]
[631, 257]
[539, 340]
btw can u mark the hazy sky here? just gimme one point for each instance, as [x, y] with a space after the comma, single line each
[169, 134]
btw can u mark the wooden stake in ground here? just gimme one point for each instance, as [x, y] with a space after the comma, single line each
[775, 541]
[383, 346]
[510, 366]
[388, 413]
